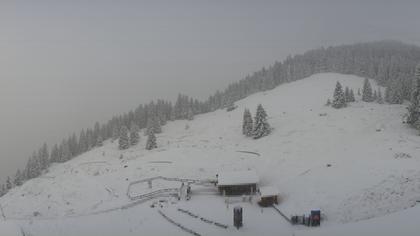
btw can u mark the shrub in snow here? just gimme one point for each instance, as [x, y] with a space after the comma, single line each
[339, 99]
[262, 127]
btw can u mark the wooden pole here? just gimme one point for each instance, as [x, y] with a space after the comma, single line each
[2, 212]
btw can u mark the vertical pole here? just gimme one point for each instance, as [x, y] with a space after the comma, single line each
[2, 213]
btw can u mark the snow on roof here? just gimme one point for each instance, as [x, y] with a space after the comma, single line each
[237, 178]
[268, 191]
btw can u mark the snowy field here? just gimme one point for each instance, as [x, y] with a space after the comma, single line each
[365, 181]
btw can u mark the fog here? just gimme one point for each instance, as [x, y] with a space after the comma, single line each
[66, 64]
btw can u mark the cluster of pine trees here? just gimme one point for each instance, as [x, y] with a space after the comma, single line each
[390, 63]
[413, 114]
[257, 128]
[342, 97]
[369, 96]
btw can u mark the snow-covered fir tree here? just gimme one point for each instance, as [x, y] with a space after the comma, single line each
[134, 134]
[261, 126]
[367, 95]
[54, 154]
[379, 99]
[99, 141]
[352, 98]
[375, 95]
[339, 99]
[347, 94]
[18, 180]
[115, 133]
[9, 183]
[328, 103]
[83, 143]
[154, 126]
[358, 92]
[123, 140]
[43, 157]
[190, 114]
[247, 123]
[413, 115]
[151, 141]
[3, 190]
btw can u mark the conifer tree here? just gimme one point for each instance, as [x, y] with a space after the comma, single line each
[99, 141]
[134, 134]
[387, 96]
[43, 157]
[153, 125]
[8, 183]
[123, 141]
[247, 125]
[115, 133]
[339, 100]
[262, 127]
[3, 190]
[352, 98]
[380, 99]
[413, 115]
[367, 95]
[328, 103]
[347, 94]
[151, 141]
[190, 114]
[358, 92]
[18, 178]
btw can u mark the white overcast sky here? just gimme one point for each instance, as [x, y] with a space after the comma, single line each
[66, 64]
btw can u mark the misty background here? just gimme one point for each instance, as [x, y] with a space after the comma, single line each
[66, 64]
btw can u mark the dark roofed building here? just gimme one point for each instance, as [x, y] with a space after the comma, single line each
[237, 182]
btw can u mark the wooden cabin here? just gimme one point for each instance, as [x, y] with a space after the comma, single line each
[237, 182]
[269, 196]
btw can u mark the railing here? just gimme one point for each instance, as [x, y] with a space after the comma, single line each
[163, 191]
[160, 192]
[283, 215]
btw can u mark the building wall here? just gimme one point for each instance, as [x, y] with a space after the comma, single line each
[238, 189]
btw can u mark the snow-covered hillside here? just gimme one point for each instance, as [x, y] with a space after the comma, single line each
[354, 163]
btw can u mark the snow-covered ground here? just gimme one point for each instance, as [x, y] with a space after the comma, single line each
[317, 156]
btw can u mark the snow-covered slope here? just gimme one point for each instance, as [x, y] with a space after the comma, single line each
[317, 156]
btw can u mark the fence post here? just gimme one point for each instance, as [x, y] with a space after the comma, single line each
[2, 213]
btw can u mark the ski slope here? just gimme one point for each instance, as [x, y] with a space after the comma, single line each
[360, 165]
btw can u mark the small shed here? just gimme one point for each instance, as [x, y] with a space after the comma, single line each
[268, 196]
[237, 182]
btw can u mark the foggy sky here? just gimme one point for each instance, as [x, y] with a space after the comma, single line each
[66, 64]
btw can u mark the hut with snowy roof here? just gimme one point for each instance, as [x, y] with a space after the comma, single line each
[268, 196]
[237, 182]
